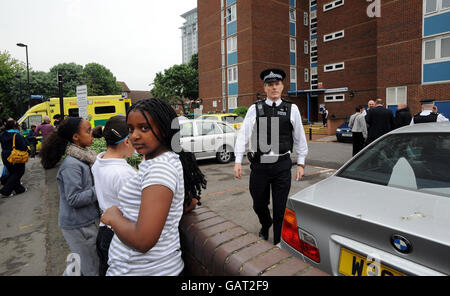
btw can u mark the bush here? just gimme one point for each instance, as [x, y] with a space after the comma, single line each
[99, 146]
[241, 111]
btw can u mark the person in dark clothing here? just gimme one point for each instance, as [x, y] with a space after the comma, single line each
[379, 121]
[32, 141]
[57, 119]
[402, 115]
[12, 180]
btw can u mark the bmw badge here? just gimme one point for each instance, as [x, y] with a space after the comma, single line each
[401, 244]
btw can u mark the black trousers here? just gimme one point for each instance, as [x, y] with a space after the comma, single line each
[358, 142]
[12, 180]
[263, 178]
[104, 238]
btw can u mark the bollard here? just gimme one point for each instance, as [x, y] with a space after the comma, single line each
[310, 132]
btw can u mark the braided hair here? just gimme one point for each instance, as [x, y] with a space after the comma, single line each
[167, 123]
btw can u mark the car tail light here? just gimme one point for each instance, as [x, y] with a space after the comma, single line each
[300, 240]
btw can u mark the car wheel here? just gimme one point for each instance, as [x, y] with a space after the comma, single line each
[224, 155]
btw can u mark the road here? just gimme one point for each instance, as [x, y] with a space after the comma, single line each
[32, 244]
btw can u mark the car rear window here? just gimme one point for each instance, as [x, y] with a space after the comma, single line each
[232, 119]
[415, 161]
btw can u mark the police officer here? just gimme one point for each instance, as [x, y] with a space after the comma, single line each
[427, 114]
[272, 127]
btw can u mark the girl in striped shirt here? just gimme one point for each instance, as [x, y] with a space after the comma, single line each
[146, 240]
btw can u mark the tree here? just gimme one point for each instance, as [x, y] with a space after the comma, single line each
[72, 75]
[11, 104]
[177, 83]
[100, 81]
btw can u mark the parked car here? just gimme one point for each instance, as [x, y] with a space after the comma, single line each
[344, 133]
[386, 211]
[208, 139]
[231, 118]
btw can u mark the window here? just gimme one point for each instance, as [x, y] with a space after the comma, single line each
[292, 15]
[432, 6]
[334, 98]
[412, 161]
[232, 75]
[306, 75]
[226, 129]
[333, 67]
[292, 44]
[293, 75]
[305, 19]
[232, 44]
[73, 112]
[396, 95]
[436, 50]
[332, 5]
[208, 128]
[105, 109]
[231, 14]
[333, 36]
[305, 47]
[186, 130]
[232, 102]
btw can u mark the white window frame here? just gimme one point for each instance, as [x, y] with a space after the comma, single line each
[232, 44]
[232, 102]
[292, 15]
[333, 67]
[333, 36]
[292, 44]
[334, 98]
[438, 8]
[437, 54]
[395, 101]
[230, 14]
[306, 75]
[232, 74]
[332, 5]
[305, 19]
[306, 47]
[293, 78]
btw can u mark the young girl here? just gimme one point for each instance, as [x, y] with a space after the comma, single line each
[78, 208]
[146, 240]
[111, 172]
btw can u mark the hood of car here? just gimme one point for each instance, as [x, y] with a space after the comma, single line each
[422, 214]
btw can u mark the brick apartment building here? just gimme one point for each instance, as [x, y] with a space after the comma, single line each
[337, 53]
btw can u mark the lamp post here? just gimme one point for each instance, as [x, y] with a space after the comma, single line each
[28, 71]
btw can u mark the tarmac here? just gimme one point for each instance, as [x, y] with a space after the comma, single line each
[31, 242]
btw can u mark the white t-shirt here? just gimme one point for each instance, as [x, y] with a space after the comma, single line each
[164, 259]
[110, 175]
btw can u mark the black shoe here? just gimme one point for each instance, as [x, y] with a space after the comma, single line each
[264, 234]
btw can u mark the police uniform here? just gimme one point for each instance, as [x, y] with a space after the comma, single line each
[427, 115]
[280, 130]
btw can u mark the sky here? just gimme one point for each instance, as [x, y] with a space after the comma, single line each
[135, 39]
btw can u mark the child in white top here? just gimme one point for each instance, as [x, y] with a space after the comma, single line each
[111, 172]
[146, 240]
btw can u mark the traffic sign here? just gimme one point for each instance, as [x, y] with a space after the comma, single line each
[82, 100]
[37, 97]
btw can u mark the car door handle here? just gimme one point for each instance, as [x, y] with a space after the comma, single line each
[192, 140]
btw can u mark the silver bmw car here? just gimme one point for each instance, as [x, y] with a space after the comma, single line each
[385, 212]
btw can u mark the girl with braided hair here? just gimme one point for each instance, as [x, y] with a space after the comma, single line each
[147, 240]
[78, 207]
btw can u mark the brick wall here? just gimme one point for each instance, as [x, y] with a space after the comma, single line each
[213, 245]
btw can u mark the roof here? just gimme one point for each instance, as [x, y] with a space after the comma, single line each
[124, 86]
[137, 95]
[432, 127]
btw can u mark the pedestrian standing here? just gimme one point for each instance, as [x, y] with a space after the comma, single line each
[32, 141]
[147, 240]
[45, 128]
[78, 208]
[11, 180]
[428, 114]
[379, 121]
[402, 115]
[111, 171]
[359, 131]
[271, 169]
[351, 120]
[324, 116]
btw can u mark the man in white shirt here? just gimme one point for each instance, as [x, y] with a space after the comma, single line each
[280, 129]
[427, 114]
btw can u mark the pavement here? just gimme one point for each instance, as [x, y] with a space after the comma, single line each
[31, 242]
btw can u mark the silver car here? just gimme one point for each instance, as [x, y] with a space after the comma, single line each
[385, 212]
[208, 139]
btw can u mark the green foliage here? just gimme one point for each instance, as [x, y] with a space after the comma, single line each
[99, 145]
[100, 81]
[241, 111]
[72, 75]
[9, 100]
[177, 83]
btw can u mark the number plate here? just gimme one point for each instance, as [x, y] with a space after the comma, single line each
[354, 264]
[346, 135]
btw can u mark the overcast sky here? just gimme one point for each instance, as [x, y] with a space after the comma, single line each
[134, 39]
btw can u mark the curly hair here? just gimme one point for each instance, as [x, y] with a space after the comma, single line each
[54, 146]
[167, 123]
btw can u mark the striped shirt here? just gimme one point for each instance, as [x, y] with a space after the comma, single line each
[164, 258]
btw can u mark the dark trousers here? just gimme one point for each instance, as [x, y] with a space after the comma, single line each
[263, 178]
[358, 142]
[104, 238]
[12, 181]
